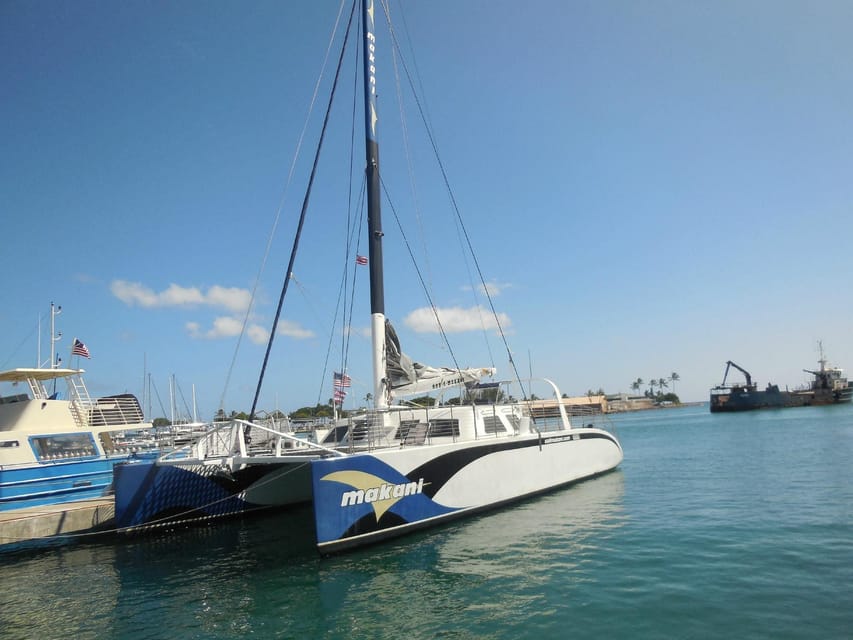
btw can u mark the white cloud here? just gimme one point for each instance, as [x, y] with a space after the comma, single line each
[257, 334]
[455, 320]
[293, 330]
[363, 332]
[134, 293]
[228, 327]
[494, 289]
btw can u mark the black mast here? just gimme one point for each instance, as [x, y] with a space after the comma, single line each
[374, 217]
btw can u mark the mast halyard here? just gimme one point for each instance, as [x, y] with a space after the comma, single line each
[374, 217]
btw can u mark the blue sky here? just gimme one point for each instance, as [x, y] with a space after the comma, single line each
[649, 186]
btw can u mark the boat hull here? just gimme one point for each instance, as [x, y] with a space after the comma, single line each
[152, 494]
[742, 399]
[363, 499]
[366, 497]
[58, 482]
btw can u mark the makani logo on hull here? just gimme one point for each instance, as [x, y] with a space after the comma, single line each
[372, 490]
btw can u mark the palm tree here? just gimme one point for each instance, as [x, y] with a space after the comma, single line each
[674, 377]
[635, 386]
[662, 384]
[652, 384]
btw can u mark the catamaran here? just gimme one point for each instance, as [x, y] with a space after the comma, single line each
[393, 468]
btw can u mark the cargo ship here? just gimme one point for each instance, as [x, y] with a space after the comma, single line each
[829, 386]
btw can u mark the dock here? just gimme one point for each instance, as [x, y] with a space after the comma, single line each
[48, 522]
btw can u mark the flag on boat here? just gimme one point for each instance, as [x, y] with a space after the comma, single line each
[340, 394]
[80, 349]
[362, 260]
[342, 380]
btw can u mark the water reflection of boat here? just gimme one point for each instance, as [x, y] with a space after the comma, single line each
[568, 525]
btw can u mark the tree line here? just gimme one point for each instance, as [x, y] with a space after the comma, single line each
[660, 384]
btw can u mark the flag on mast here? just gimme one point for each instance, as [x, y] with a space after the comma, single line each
[361, 260]
[80, 349]
[341, 380]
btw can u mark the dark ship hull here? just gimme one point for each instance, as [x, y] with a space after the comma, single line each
[740, 398]
[829, 386]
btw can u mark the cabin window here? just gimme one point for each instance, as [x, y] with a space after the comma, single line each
[405, 427]
[443, 427]
[64, 446]
[20, 397]
[9, 444]
[493, 424]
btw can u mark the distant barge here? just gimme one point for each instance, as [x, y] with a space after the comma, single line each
[829, 386]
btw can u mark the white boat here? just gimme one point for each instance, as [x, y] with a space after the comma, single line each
[392, 469]
[56, 449]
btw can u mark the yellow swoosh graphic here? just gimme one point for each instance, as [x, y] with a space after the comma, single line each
[363, 482]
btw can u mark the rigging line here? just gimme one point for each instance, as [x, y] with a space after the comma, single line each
[353, 230]
[281, 204]
[418, 272]
[411, 49]
[348, 239]
[395, 49]
[407, 148]
[444, 176]
[302, 216]
[159, 400]
[21, 344]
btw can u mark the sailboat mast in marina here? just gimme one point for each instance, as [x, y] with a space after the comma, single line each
[395, 467]
[374, 214]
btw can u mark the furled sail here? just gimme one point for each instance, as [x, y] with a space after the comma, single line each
[406, 377]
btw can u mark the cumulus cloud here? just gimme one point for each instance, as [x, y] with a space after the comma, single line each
[228, 327]
[134, 293]
[455, 320]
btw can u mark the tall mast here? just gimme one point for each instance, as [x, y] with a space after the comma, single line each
[374, 217]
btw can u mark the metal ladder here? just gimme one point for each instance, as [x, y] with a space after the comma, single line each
[81, 402]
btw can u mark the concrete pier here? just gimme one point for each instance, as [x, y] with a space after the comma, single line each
[35, 524]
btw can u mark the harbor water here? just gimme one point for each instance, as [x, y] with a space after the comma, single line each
[714, 526]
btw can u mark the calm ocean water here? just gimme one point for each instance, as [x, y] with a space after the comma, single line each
[737, 526]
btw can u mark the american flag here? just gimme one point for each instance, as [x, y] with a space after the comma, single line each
[340, 394]
[80, 349]
[342, 380]
[362, 260]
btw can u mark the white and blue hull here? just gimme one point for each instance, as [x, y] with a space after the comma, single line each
[366, 498]
[363, 498]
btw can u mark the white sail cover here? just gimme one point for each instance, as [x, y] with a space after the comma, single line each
[406, 377]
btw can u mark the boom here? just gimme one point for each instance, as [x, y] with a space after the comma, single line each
[739, 368]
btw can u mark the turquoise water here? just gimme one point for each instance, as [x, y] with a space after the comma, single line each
[723, 526]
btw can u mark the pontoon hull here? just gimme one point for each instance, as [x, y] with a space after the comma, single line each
[362, 499]
[152, 494]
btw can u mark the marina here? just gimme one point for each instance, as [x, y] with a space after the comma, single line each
[420, 411]
[694, 531]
